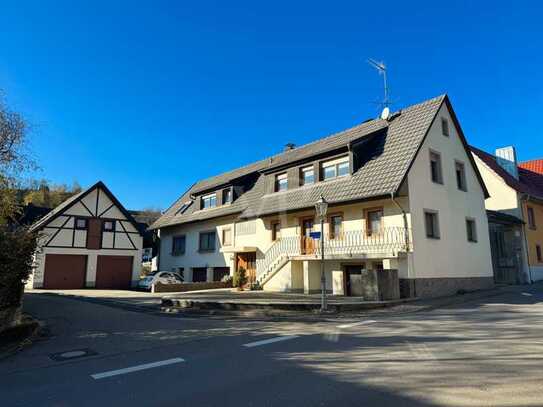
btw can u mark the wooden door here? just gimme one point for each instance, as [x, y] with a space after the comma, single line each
[94, 234]
[248, 262]
[307, 244]
[114, 272]
[64, 271]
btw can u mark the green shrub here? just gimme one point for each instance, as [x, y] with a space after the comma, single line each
[17, 249]
[240, 278]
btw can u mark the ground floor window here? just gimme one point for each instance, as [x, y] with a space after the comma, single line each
[199, 274]
[539, 254]
[220, 272]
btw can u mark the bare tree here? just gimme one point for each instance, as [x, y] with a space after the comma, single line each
[13, 158]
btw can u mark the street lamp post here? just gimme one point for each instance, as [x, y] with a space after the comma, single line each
[321, 206]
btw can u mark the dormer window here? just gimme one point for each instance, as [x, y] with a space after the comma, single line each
[209, 201]
[335, 168]
[281, 182]
[307, 175]
[226, 196]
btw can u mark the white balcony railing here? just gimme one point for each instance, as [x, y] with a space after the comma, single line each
[355, 242]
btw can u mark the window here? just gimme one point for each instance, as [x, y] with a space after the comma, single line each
[308, 176]
[335, 168]
[471, 230]
[276, 230]
[226, 196]
[531, 218]
[435, 167]
[432, 224]
[199, 274]
[460, 176]
[81, 223]
[209, 201]
[108, 225]
[207, 242]
[336, 226]
[227, 237]
[281, 182]
[539, 255]
[178, 245]
[374, 222]
[445, 127]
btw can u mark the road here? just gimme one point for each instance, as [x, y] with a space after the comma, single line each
[483, 353]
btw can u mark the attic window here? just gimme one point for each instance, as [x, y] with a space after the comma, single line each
[445, 127]
[109, 225]
[335, 168]
[81, 223]
[209, 201]
[281, 182]
[226, 196]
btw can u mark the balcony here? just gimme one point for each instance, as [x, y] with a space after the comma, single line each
[388, 242]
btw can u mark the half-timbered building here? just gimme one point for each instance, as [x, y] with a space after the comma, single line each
[90, 240]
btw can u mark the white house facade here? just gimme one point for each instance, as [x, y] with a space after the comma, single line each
[406, 214]
[90, 240]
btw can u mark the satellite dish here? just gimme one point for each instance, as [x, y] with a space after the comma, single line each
[385, 114]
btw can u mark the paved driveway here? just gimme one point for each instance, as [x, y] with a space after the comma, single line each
[481, 353]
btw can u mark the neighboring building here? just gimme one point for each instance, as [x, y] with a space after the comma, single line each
[90, 240]
[406, 204]
[507, 248]
[517, 191]
[533, 166]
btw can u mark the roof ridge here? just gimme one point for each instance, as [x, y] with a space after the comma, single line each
[321, 139]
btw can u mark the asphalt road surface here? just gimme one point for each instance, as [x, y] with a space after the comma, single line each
[483, 353]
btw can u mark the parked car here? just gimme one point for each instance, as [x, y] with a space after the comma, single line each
[163, 277]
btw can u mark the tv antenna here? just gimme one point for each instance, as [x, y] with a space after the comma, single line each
[382, 69]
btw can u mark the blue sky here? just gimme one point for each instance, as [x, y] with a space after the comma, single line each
[149, 97]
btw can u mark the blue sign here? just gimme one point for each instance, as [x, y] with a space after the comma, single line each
[315, 235]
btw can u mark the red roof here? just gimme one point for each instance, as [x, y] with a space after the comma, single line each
[533, 165]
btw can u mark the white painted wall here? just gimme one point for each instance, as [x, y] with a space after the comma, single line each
[452, 255]
[502, 197]
[192, 257]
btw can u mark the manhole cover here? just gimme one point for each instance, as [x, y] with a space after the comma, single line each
[72, 354]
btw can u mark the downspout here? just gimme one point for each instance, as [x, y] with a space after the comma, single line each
[407, 243]
[525, 198]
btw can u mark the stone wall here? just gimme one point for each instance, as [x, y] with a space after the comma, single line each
[178, 288]
[440, 287]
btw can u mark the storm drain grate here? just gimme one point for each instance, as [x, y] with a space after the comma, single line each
[72, 354]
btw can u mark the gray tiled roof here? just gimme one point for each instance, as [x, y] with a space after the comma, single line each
[394, 149]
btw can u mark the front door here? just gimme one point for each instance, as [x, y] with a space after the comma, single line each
[308, 244]
[247, 261]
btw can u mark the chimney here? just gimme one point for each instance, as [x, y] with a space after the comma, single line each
[289, 146]
[507, 159]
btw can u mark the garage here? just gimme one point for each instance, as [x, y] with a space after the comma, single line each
[65, 271]
[114, 272]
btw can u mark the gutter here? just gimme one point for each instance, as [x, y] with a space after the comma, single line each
[406, 228]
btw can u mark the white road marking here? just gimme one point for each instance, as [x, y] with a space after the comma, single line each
[103, 375]
[369, 321]
[271, 340]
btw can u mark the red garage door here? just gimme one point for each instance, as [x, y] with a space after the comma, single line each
[64, 271]
[114, 272]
